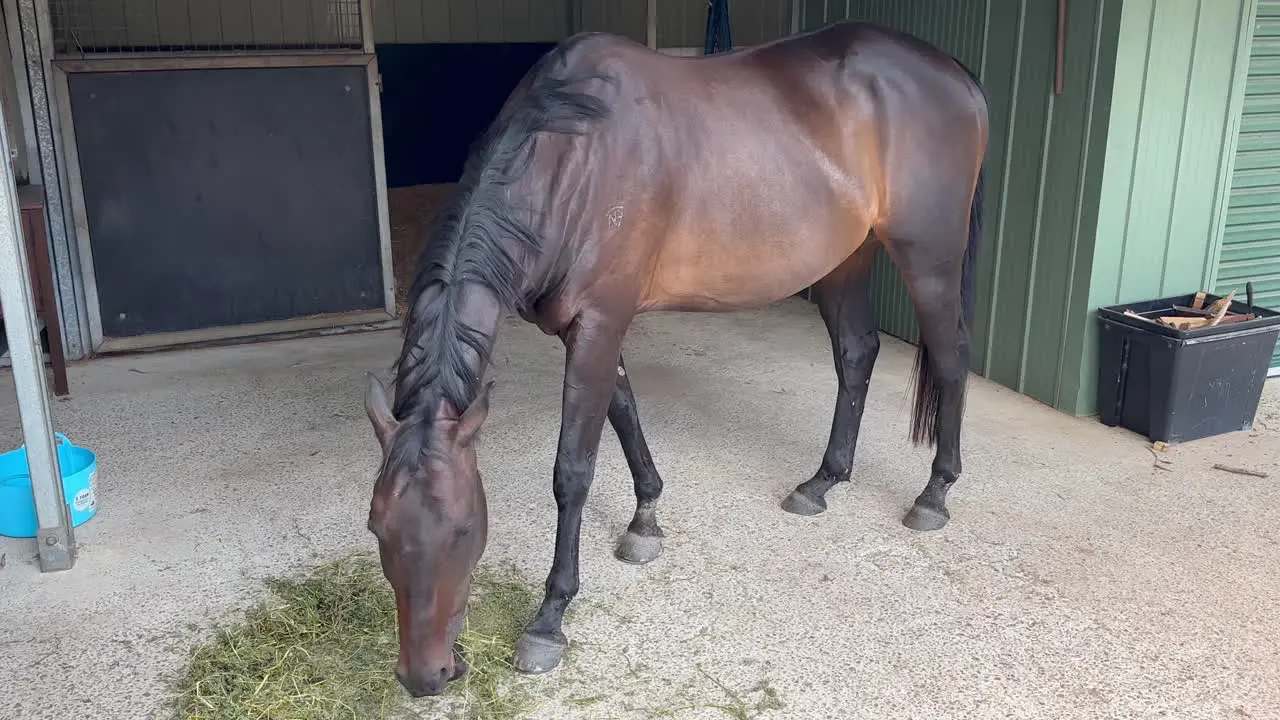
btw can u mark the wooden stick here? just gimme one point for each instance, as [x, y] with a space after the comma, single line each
[1198, 304]
[1222, 311]
[1233, 319]
[1185, 323]
[1241, 471]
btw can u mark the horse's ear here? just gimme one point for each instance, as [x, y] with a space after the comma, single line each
[471, 420]
[378, 408]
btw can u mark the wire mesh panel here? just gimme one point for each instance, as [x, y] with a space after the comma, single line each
[411, 22]
[83, 27]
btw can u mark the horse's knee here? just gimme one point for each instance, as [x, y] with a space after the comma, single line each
[861, 348]
[572, 480]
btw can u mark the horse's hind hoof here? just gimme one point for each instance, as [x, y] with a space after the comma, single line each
[797, 503]
[926, 519]
[536, 654]
[638, 549]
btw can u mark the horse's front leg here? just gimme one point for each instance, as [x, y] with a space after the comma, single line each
[592, 349]
[642, 542]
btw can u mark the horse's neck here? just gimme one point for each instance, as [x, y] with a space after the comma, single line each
[441, 360]
[480, 309]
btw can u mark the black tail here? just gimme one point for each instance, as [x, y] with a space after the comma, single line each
[975, 244]
[924, 420]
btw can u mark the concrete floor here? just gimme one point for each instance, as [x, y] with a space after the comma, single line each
[1075, 580]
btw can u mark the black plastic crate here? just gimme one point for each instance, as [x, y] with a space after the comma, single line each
[1176, 385]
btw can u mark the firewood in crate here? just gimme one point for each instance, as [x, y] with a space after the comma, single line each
[1219, 308]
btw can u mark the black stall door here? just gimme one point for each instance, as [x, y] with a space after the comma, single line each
[220, 197]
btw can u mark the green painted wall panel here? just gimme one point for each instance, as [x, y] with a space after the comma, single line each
[1036, 299]
[1061, 163]
[1251, 239]
[1018, 273]
[1178, 88]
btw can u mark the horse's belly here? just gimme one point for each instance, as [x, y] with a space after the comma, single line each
[766, 222]
[746, 271]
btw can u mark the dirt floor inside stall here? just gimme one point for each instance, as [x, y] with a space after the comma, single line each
[1076, 580]
[412, 209]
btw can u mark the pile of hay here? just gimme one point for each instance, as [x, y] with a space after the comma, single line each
[324, 647]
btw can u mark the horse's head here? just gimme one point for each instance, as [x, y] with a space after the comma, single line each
[429, 515]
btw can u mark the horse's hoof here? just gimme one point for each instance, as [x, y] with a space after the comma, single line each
[797, 503]
[638, 549]
[536, 654]
[925, 519]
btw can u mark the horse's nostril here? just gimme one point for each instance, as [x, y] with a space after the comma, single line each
[423, 685]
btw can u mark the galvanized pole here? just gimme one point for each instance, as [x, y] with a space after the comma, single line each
[37, 40]
[651, 34]
[54, 537]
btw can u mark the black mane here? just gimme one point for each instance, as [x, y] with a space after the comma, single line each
[482, 238]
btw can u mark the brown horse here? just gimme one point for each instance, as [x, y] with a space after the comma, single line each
[617, 180]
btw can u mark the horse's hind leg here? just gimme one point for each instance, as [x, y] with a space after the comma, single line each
[942, 367]
[844, 301]
[931, 262]
[642, 542]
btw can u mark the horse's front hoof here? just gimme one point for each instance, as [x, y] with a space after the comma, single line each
[797, 503]
[925, 519]
[536, 654]
[638, 549]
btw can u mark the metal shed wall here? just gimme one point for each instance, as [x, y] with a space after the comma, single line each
[97, 24]
[469, 21]
[1179, 86]
[1251, 241]
[681, 23]
[1044, 168]
[152, 23]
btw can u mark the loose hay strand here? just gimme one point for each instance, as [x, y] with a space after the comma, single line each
[324, 648]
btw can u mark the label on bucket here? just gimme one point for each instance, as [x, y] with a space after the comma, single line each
[87, 499]
[83, 501]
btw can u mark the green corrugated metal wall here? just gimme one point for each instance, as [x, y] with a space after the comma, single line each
[1179, 80]
[1251, 241]
[1044, 168]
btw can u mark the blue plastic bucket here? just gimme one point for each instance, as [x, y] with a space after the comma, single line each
[17, 502]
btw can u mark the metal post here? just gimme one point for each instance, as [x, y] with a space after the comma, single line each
[37, 40]
[796, 12]
[54, 538]
[652, 34]
[367, 38]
